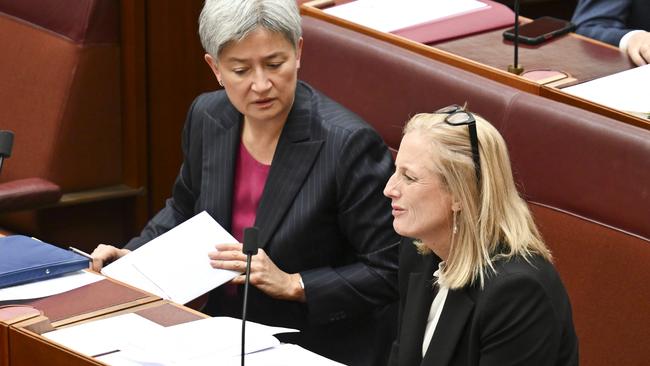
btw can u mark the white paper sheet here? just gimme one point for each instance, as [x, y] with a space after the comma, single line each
[282, 355]
[206, 341]
[104, 335]
[49, 287]
[391, 15]
[175, 265]
[628, 91]
[118, 359]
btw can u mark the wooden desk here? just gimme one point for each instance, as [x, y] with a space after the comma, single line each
[29, 348]
[36, 316]
[9, 315]
[488, 55]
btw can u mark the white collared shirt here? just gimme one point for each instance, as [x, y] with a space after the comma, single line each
[622, 44]
[437, 305]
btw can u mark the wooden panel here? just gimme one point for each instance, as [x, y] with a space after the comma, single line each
[134, 105]
[4, 344]
[605, 272]
[176, 75]
[29, 349]
[11, 314]
[588, 59]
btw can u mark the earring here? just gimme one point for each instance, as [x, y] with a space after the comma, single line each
[220, 82]
[455, 228]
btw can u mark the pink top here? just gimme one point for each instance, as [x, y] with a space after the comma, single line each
[250, 178]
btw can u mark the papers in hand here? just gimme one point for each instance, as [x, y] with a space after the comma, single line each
[175, 265]
[626, 91]
[391, 15]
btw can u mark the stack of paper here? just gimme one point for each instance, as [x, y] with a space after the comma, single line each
[207, 341]
[626, 91]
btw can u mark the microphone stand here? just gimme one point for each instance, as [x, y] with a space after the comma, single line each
[250, 249]
[516, 68]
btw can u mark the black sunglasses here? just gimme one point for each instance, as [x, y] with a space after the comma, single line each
[457, 116]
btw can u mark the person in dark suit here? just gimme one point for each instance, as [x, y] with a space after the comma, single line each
[622, 23]
[272, 151]
[476, 282]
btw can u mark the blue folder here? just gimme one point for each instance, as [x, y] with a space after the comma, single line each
[24, 259]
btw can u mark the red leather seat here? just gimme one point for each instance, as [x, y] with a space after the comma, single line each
[60, 94]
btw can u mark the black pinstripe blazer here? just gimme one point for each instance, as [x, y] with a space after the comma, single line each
[322, 214]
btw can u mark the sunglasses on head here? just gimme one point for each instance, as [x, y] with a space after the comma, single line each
[458, 116]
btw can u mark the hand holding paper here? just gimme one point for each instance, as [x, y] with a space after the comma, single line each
[176, 265]
[265, 275]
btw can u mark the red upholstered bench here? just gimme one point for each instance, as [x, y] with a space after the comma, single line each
[60, 94]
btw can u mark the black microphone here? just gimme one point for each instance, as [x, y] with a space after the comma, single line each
[516, 68]
[250, 249]
[6, 144]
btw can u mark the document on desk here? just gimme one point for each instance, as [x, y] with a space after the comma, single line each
[206, 341]
[282, 355]
[104, 335]
[53, 286]
[626, 91]
[175, 265]
[391, 15]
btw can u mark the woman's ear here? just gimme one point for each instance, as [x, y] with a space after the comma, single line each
[455, 206]
[298, 52]
[214, 67]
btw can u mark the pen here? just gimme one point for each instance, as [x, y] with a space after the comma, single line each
[81, 252]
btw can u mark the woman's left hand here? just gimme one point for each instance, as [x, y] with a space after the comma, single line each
[265, 275]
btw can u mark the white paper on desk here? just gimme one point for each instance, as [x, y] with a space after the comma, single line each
[627, 91]
[175, 265]
[282, 355]
[103, 335]
[52, 286]
[117, 359]
[391, 15]
[205, 341]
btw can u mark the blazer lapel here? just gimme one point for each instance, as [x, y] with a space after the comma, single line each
[416, 312]
[451, 325]
[221, 138]
[294, 156]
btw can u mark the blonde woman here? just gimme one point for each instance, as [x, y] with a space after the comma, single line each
[477, 285]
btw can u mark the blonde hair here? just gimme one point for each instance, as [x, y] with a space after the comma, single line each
[494, 222]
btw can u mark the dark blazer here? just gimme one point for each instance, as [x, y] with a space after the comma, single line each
[521, 317]
[610, 20]
[322, 214]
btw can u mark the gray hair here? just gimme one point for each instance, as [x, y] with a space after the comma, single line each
[224, 21]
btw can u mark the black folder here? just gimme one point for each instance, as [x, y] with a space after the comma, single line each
[24, 259]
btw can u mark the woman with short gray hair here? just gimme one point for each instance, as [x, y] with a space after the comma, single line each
[271, 151]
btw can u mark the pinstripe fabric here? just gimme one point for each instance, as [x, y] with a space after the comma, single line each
[322, 214]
